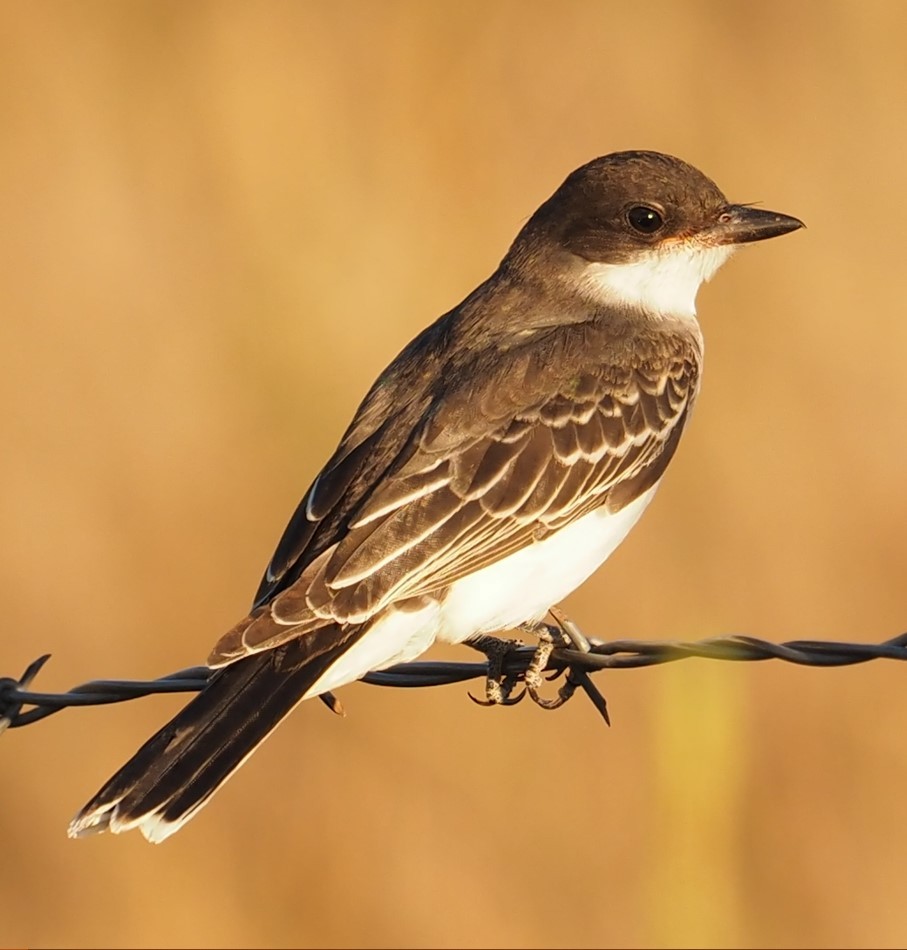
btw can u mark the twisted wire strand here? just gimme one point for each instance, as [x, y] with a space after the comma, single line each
[611, 655]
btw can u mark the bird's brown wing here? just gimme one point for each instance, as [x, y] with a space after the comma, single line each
[526, 445]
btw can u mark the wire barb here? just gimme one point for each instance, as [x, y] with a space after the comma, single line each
[11, 691]
[583, 657]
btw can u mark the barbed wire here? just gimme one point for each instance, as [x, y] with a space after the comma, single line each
[515, 665]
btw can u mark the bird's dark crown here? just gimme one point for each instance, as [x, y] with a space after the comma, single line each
[615, 206]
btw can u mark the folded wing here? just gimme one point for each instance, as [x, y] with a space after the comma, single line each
[445, 488]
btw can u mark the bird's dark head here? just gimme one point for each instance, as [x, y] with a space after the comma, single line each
[648, 224]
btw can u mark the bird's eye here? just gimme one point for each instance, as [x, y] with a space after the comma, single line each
[644, 219]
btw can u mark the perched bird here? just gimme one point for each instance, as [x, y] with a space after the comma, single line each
[492, 467]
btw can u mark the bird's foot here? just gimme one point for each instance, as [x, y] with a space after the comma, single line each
[498, 685]
[549, 637]
[563, 632]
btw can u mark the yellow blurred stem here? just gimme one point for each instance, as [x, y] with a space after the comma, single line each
[699, 748]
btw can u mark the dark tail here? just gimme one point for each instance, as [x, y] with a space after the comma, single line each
[177, 770]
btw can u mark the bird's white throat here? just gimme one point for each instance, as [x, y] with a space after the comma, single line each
[663, 280]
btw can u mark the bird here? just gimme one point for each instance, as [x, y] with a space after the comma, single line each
[492, 467]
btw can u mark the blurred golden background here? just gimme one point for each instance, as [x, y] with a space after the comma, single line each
[220, 221]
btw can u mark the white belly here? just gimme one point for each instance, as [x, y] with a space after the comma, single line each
[520, 588]
[525, 585]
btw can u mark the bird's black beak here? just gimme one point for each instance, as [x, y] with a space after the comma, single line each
[740, 224]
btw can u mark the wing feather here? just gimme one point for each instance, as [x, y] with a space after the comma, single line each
[468, 474]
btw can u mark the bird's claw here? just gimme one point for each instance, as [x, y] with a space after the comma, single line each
[563, 694]
[498, 685]
[500, 697]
